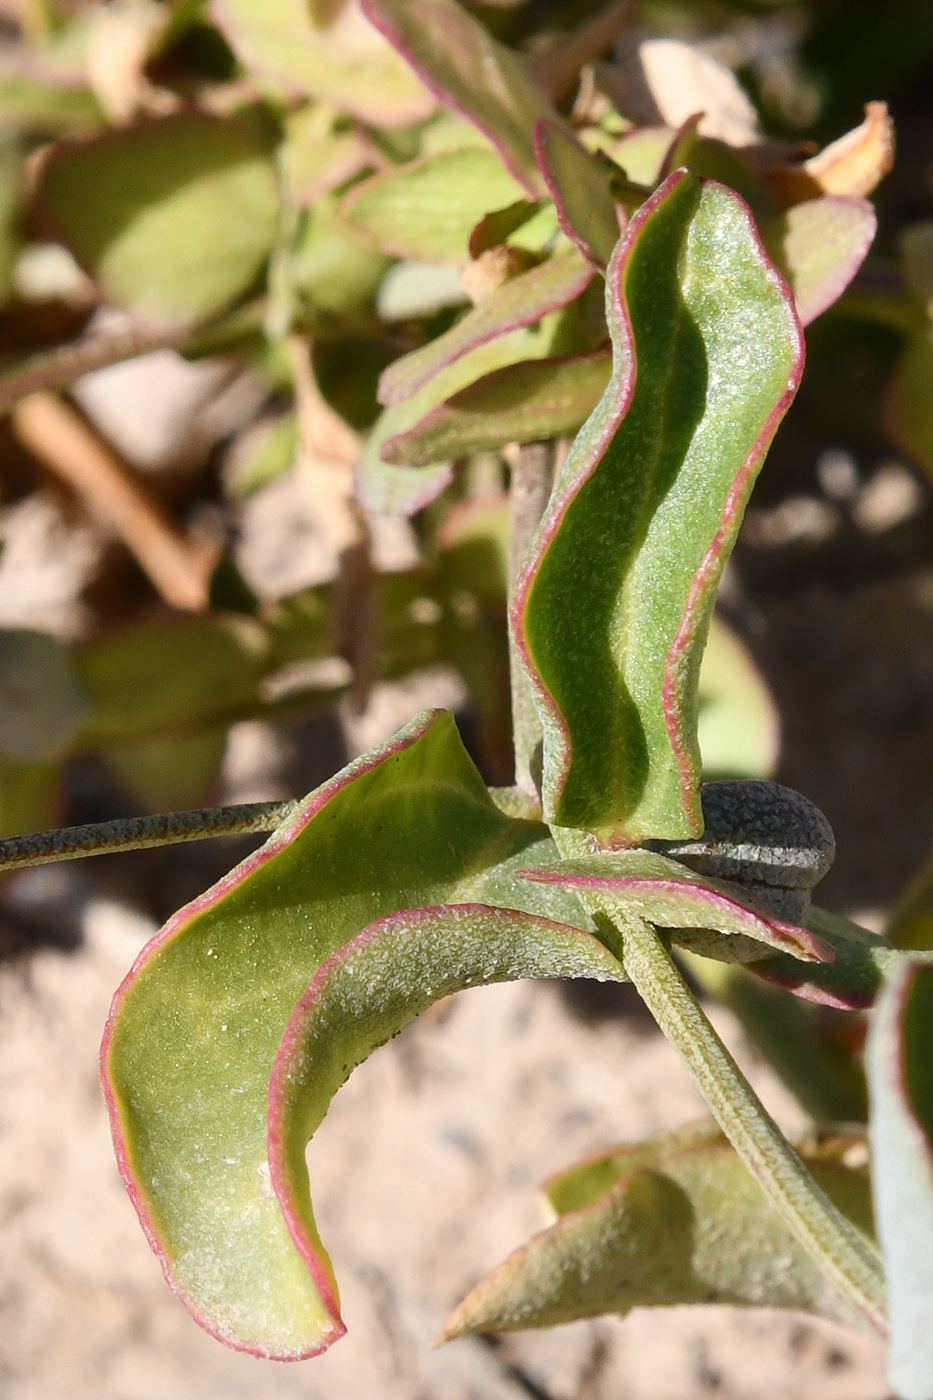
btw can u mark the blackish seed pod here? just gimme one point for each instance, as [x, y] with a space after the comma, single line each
[767, 838]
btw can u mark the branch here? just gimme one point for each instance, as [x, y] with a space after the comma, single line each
[139, 833]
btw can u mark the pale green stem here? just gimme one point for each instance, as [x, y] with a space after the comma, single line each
[843, 1255]
[532, 478]
[138, 833]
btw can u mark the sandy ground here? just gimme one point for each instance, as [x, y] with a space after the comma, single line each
[424, 1176]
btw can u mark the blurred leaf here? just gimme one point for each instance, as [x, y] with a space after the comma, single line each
[317, 156]
[301, 627]
[900, 1081]
[640, 154]
[168, 675]
[493, 229]
[715, 160]
[12, 186]
[916, 249]
[174, 218]
[44, 108]
[521, 301]
[41, 703]
[171, 774]
[646, 509]
[911, 923]
[347, 62]
[525, 402]
[581, 188]
[739, 726]
[410, 824]
[266, 450]
[29, 796]
[333, 266]
[820, 245]
[471, 73]
[403, 490]
[428, 209]
[674, 1221]
[908, 403]
[411, 290]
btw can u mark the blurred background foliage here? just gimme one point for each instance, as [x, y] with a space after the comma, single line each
[221, 221]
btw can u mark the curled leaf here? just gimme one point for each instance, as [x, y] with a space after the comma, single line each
[520, 302]
[365, 994]
[853, 165]
[195, 1028]
[676, 1220]
[527, 402]
[707, 357]
[406, 488]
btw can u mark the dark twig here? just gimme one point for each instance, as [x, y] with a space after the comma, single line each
[137, 833]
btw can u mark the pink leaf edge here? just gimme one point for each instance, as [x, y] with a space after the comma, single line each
[789, 937]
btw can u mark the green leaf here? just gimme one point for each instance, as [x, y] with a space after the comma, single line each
[911, 922]
[521, 301]
[169, 774]
[526, 402]
[366, 993]
[12, 190]
[332, 266]
[347, 63]
[267, 452]
[48, 109]
[676, 1220]
[428, 209]
[318, 153]
[820, 245]
[29, 796]
[899, 1060]
[739, 727]
[41, 703]
[581, 188]
[916, 248]
[641, 154]
[472, 74]
[195, 1029]
[908, 409]
[674, 898]
[613, 607]
[168, 676]
[174, 218]
[405, 489]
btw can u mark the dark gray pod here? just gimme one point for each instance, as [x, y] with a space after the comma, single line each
[763, 836]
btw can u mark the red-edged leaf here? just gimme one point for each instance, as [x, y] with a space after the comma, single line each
[581, 189]
[612, 610]
[521, 301]
[472, 73]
